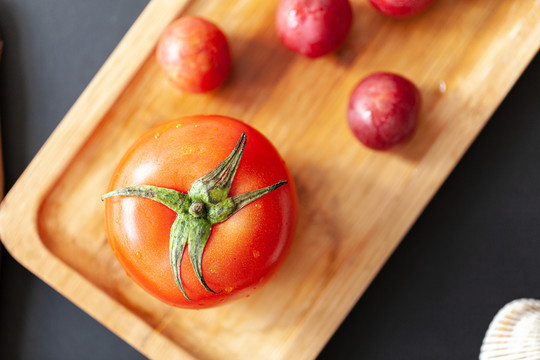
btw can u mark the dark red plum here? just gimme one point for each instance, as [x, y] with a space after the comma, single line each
[383, 110]
[313, 28]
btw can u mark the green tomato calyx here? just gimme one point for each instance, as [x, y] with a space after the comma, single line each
[205, 204]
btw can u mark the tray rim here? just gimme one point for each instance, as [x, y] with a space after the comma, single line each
[25, 245]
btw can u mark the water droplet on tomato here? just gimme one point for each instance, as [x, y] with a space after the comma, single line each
[138, 254]
[157, 135]
[258, 206]
[229, 289]
[256, 254]
[178, 125]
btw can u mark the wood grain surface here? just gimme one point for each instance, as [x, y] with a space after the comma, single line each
[355, 204]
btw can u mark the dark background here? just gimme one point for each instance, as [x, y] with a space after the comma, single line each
[474, 248]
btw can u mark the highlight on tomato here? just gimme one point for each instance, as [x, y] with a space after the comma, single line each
[201, 210]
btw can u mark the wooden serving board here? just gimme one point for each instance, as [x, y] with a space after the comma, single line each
[355, 204]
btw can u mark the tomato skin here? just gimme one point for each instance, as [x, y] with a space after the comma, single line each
[194, 53]
[400, 8]
[243, 252]
[313, 28]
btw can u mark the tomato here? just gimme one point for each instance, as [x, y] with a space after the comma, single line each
[383, 110]
[194, 53]
[401, 8]
[313, 27]
[242, 252]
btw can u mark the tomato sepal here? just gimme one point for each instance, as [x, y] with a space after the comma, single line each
[177, 244]
[228, 207]
[214, 187]
[174, 200]
[195, 232]
[198, 231]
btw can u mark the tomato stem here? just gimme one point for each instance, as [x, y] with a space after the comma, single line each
[206, 203]
[197, 209]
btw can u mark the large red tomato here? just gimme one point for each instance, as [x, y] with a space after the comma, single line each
[246, 245]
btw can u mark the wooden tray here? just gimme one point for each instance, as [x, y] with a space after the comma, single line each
[356, 204]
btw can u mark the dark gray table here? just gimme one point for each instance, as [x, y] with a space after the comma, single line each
[475, 247]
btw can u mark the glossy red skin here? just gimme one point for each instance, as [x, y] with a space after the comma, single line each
[313, 27]
[383, 110]
[401, 8]
[194, 53]
[243, 252]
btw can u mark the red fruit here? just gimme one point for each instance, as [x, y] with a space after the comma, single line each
[188, 216]
[401, 8]
[383, 109]
[313, 27]
[194, 54]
